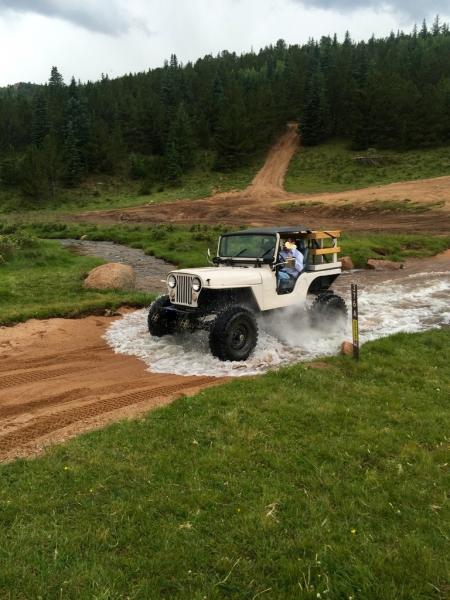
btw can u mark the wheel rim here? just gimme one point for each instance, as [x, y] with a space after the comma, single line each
[239, 336]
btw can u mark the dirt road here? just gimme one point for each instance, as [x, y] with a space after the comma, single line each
[59, 378]
[264, 201]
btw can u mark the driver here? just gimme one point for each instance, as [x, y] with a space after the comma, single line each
[288, 274]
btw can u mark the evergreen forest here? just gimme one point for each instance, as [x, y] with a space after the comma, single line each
[391, 92]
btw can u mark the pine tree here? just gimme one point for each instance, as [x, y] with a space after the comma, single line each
[56, 79]
[232, 134]
[40, 124]
[51, 158]
[56, 100]
[180, 145]
[77, 121]
[436, 28]
[173, 162]
[424, 30]
[315, 122]
[73, 164]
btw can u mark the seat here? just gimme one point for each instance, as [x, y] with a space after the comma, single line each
[303, 248]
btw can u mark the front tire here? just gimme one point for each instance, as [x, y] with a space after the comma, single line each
[159, 322]
[234, 334]
[328, 311]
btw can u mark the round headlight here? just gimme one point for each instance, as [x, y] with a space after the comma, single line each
[172, 281]
[196, 284]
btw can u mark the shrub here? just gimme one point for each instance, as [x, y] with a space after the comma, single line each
[12, 244]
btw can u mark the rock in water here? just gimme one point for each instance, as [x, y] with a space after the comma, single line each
[112, 276]
[383, 265]
[347, 348]
[347, 263]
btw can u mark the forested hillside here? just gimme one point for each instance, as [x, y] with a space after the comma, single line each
[392, 92]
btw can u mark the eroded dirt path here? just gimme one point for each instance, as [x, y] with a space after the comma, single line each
[269, 181]
[264, 201]
[59, 378]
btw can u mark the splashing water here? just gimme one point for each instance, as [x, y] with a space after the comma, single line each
[413, 303]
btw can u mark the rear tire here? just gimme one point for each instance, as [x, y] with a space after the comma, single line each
[159, 322]
[234, 334]
[328, 310]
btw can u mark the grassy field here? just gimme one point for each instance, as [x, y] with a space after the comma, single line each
[331, 167]
[187, 246]
[40, 279]
[104, 192]
[304, 483]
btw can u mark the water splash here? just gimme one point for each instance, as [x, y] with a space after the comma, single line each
[412, 303]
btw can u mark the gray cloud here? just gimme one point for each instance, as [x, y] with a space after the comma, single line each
[95, 15]
[415, 9]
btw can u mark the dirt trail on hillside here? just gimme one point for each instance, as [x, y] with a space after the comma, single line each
[269, 181]
[58, 378]
[264, 202]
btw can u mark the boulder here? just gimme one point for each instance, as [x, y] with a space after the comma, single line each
[347, 348]
[347, 263]
[383, 265]
[113, 276]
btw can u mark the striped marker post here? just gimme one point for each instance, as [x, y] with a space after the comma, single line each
[355, 324]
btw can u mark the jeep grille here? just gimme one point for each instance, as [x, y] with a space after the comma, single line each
[183, 290]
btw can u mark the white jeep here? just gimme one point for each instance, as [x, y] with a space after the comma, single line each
[243, 283]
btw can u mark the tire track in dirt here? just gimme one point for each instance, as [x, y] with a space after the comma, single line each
[48, 424]
[33, 376]
[57, 400]
[59, 378]
[89, 353]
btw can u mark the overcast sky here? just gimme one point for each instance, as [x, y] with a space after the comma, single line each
[90, 37]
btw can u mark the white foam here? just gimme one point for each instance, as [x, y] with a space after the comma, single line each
[413, 303]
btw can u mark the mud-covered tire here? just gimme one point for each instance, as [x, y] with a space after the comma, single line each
[234, 334]
[159, 322]
[328, 310]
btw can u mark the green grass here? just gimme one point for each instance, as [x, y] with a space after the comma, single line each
[330, 167]
[45, 280]
[102, 192]
[187, 246]
[183, 246]
[304, 483]
[395, 247]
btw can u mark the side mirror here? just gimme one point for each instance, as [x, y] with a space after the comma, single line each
[209, 257]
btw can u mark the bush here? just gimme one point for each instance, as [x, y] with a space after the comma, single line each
[12, 244]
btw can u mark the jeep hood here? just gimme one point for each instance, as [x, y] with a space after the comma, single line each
[225, 277]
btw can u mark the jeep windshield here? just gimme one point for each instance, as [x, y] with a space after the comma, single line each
[247, 245]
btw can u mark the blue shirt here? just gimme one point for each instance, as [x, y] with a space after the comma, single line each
[298, 256]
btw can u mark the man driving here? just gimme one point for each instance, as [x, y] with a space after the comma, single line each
[289, 273]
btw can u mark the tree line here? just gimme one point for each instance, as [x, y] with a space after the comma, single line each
[391, 92]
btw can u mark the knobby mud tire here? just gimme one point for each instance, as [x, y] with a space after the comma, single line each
[328, 310]
[159, 322]
[234, 334]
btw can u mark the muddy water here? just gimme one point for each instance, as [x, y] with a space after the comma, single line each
[405, 301]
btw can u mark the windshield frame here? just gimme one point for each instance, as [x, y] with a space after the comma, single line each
[244, 257]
